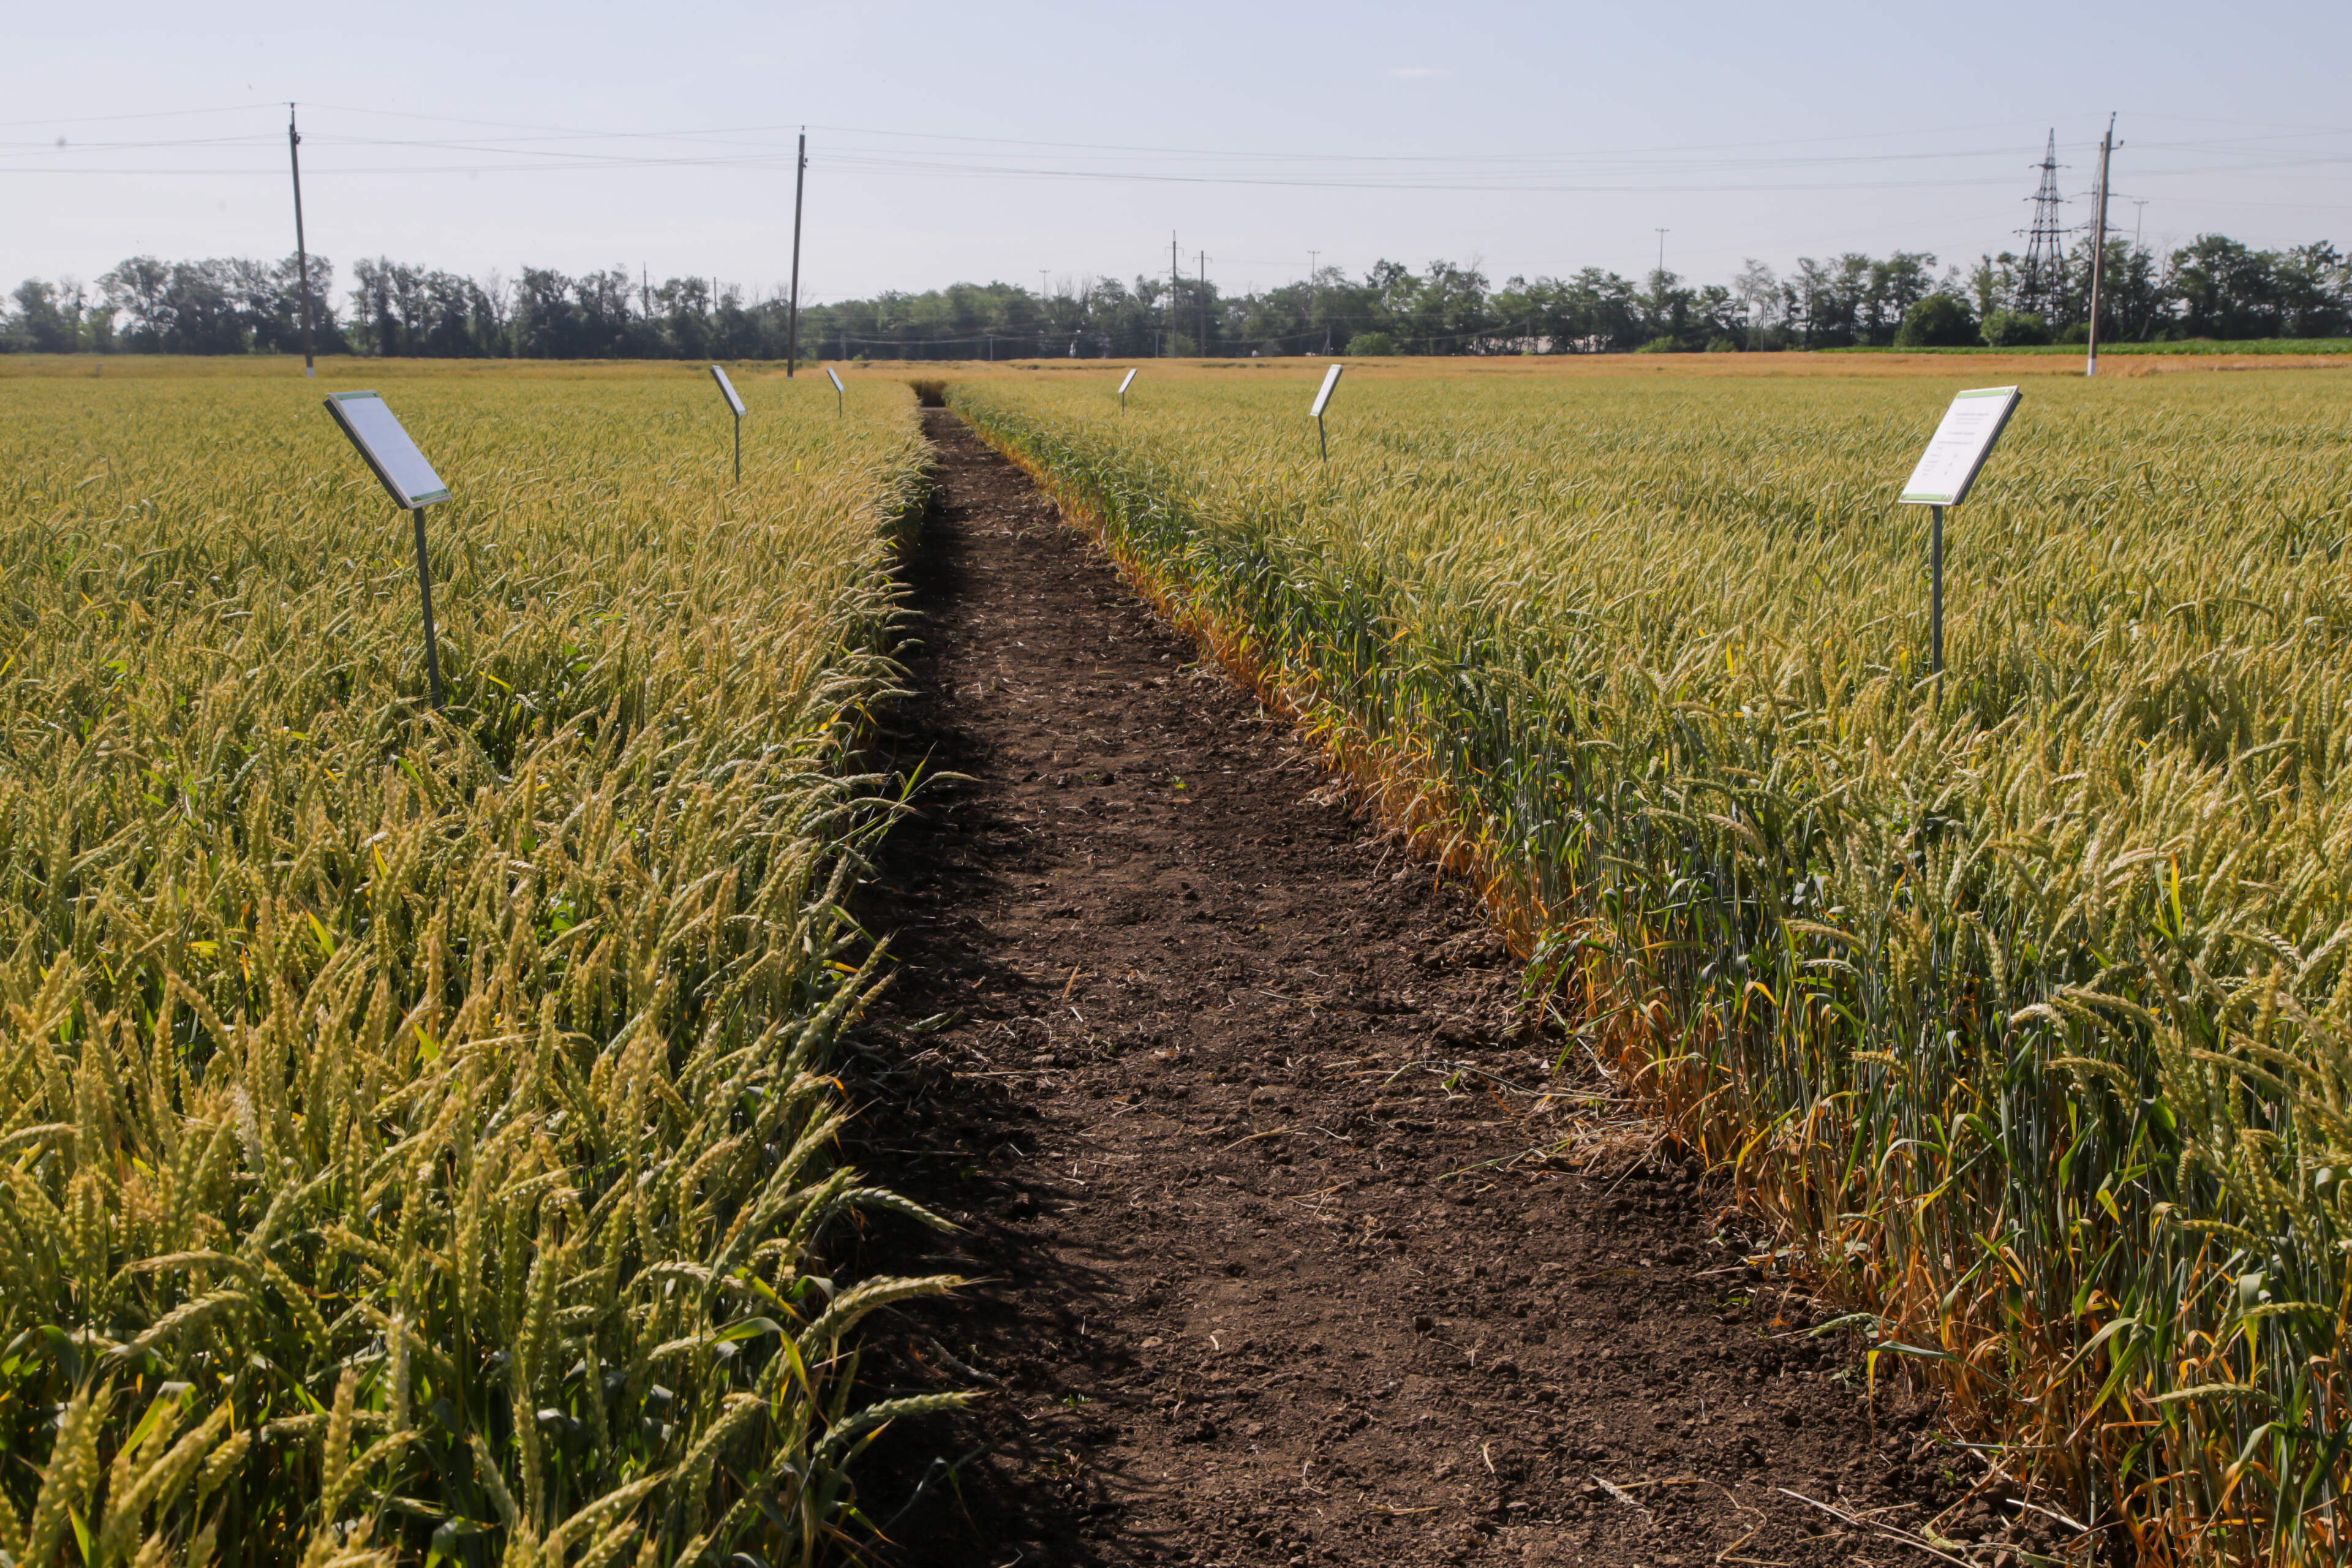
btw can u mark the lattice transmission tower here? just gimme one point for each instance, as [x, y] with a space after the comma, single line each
[2042, 277]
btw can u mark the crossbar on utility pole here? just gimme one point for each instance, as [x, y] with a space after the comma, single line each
[792, 317]
[301, 247]
[2099, 243]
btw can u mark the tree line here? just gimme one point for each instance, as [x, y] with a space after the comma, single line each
[2214, 287]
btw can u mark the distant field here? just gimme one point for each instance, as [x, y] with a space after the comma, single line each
[2027, 1007]
[2306, 347]
[1982, 364]
[417, 1125]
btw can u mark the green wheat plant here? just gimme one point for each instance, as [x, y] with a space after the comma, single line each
[2024, 1004]
[415, 1128]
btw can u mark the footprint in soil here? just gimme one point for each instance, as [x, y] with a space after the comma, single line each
[1233, 1101]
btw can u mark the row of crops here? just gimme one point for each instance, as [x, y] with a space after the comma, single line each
[2027, 1009]
[413, 1128]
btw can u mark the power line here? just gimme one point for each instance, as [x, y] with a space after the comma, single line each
[1638, 171]
[896, 135]
[716, 136]
[142, 114]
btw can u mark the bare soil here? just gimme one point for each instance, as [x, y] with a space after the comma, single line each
[1249, 1134]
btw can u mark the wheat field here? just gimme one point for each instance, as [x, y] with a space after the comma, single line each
[2024, 1000]
[415, 1128]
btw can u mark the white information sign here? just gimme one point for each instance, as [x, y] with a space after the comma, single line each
[734, 401]
[376, 431]
[1959, 447]
[837, 380]
[1127, 381]
[1322, 397]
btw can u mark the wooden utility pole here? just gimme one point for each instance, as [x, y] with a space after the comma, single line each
[2099, 243]
[1205, 304]
[793, 315]
[301, 247]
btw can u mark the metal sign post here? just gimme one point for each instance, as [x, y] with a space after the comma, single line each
[734, 406]
[1323, 401]
[409, 478]
[1936, 593]
[1955, 454]
[835, 379]
[1125, 381]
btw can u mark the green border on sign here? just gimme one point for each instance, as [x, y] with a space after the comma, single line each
[2015, 396]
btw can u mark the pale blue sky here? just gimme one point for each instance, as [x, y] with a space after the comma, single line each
[1526, 138]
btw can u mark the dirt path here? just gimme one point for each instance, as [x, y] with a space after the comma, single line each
[1214, 1048]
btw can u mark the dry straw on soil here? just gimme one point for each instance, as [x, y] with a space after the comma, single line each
[2030, 1012]
[413, 1128]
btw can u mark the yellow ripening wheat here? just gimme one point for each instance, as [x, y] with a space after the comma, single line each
[414, 1128]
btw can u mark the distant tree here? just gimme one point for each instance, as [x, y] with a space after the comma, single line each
[1756, 293]
[184, 307]
[1714, 312]
[2315, 291]
[1442, 310]
[41, 324]
[1667, 309]
[1593, 312]
[2131, 298]
[382, 302]
[1938, 321]
[601, 314]
[1341, 307]
[1276, 321]
[1831, 297]
[682, 305]
[58, 316]
[2014, 329]
[1890, 288]
[543, 325]
[2214, 287]
[2228, 289]
[2223, 287]
[1992, 283]
[1370, 345]
[135, 287]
